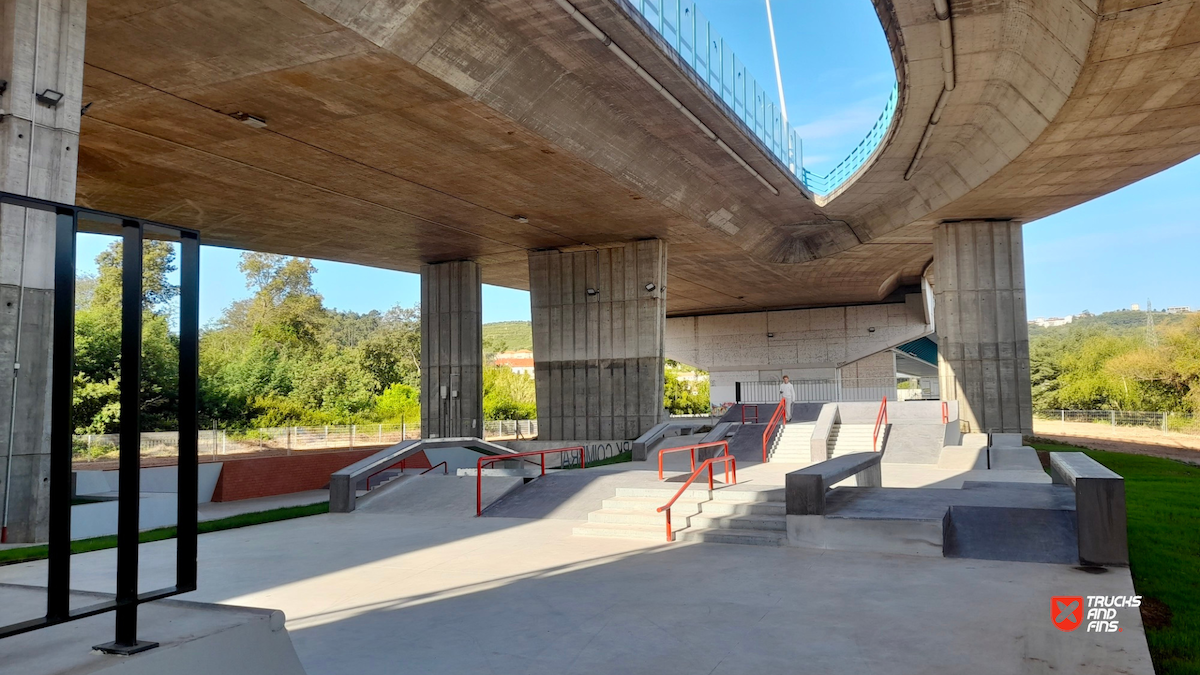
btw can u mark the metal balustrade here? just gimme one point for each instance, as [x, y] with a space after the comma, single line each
[698, 45]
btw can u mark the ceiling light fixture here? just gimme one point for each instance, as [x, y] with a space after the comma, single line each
[50, 98]
[592, 291]
[650, 287]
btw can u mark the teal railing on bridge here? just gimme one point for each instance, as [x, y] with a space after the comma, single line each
[698, 44]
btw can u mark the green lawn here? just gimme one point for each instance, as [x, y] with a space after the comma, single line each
[28, 553]
[1162, 498]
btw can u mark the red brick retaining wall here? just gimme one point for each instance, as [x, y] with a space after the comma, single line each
[281, 475]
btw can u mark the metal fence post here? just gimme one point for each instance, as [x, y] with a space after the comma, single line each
[1164, 422]
[1112, 414]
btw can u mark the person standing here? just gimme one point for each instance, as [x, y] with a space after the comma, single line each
[788, 393]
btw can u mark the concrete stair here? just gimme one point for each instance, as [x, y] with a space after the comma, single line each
[845, 439]
[727, 515]
[793, 444]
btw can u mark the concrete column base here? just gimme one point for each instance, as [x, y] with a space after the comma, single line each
[598, 324]
[983, 332]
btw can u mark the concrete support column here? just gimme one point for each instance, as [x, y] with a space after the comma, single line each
[598, 323]
[41, 47]
[451, 350]
[983, 333]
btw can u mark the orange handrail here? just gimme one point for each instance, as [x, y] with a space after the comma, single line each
[729, 462]
[945, 413]
[500, 458]
[445, 469]
[744, 406]
[880, 418]
[768, 433]
[693, 449]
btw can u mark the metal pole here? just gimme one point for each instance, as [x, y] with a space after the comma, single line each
[61, 402]
[189, 396]
[129, 481]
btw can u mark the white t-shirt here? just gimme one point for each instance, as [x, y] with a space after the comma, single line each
[787, 390]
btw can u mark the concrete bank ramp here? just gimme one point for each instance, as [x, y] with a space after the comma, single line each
[436, 495]
[914, 444]
[569, 495]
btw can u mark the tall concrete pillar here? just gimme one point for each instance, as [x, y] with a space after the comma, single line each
[598, 321]
[451, 350]
[41, 48]
[983, 333]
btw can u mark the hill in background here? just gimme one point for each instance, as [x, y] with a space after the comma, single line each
[1122, 321]
[506, 336]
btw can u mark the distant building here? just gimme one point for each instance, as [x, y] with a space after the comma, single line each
[1051, 322]
[519, 361]
[1178, 310]
[1135, 307]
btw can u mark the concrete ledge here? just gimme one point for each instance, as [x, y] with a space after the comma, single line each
[819, 445]
[1099, 507]
[904, 537]
[805, 489]
[195, 639]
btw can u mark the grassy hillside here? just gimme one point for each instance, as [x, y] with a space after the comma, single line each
[507, 336]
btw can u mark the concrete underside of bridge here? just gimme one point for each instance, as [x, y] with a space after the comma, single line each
[401, 133]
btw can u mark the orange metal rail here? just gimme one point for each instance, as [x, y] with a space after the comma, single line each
[776, 421]
[500, 458]
[744, 407]
[730, 463]
[880, 420]
[693, 449]
[945, 412]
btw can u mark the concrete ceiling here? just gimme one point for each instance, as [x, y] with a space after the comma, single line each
[401, 132]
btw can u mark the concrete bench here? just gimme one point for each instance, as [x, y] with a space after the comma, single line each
[805, 489]
[1099, 507]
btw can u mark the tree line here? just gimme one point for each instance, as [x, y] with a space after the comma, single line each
[1117, 363]
[277, 358]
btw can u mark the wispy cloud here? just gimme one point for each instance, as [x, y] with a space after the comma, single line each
[856, 118]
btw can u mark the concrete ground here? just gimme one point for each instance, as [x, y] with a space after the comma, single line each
[370, 592]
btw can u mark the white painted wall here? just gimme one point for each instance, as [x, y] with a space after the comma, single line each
[100, 519]
[158, 479]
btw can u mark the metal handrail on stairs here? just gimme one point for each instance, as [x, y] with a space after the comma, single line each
[773, 426]
[729, 462]
[444, 465]
[500, 458]
[693, 449]
[880, 419]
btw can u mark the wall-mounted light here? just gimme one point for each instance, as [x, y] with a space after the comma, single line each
[592, 291]
[650, 287]
[249, 120]
[770, 335]
[50, 98]
[3, 86]
[871, 329]
[84, 110]
[520, 219]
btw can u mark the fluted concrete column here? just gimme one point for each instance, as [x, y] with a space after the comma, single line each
[983, 332]
[41, 47]
[451, 350]
[598, 353]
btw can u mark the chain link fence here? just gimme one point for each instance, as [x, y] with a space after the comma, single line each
[1164, 422]
[283, 440]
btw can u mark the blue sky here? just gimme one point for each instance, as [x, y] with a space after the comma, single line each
[1142, 242]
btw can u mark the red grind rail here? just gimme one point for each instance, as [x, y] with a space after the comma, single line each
[445, 469]
[880, 420]
[729, 462]
[744, 408]
[776, 421]
[693, 449]
[500, 458]
[945, 413]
